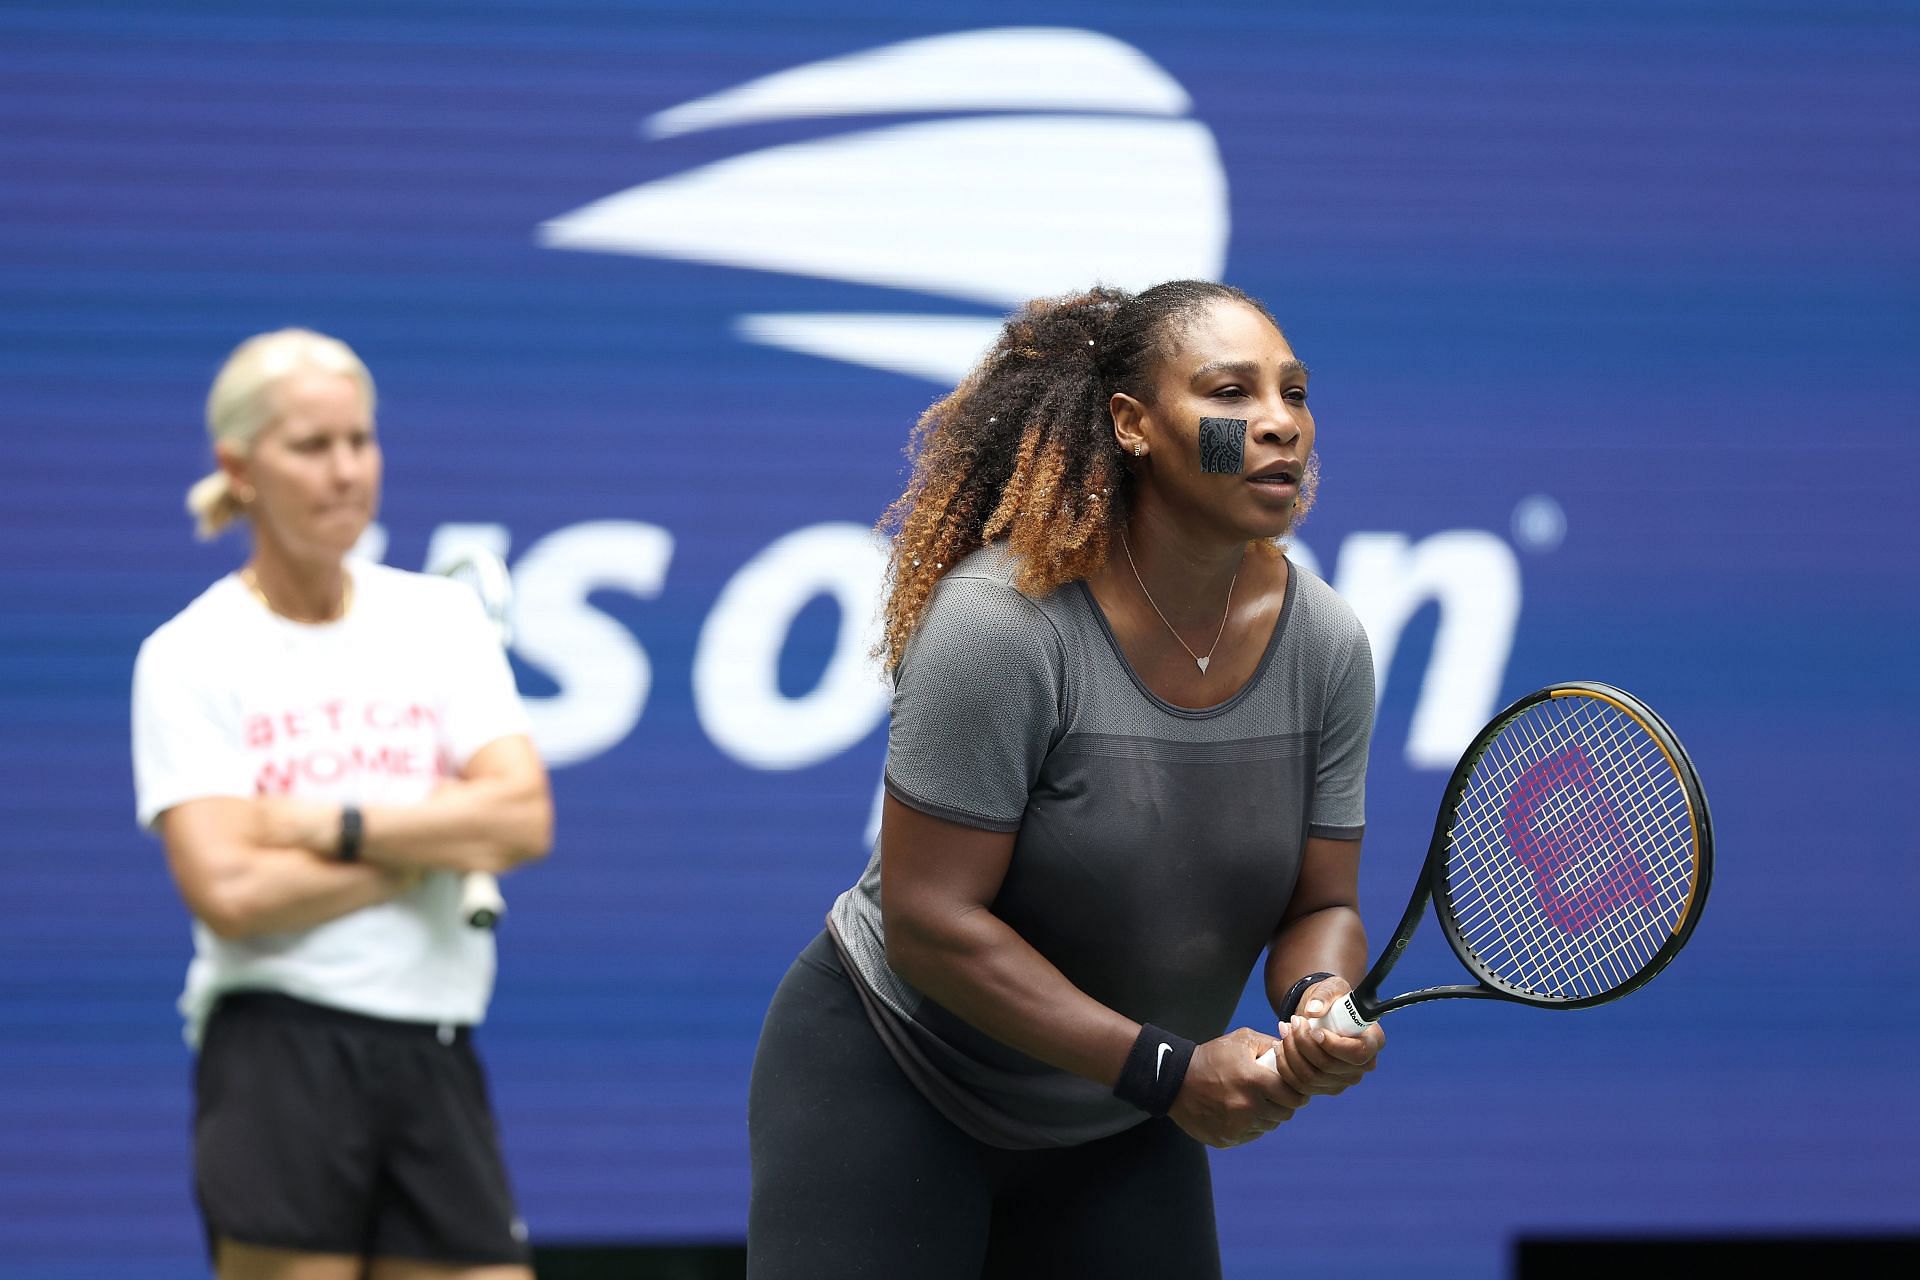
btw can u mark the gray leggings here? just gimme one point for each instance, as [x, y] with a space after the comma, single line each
[855, 1173]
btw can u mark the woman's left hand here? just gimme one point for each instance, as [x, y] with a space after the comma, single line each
[1321, 1061]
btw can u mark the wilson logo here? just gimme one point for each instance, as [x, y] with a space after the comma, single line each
[1561, 825]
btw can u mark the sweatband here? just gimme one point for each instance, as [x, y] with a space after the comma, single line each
[1154, 1070]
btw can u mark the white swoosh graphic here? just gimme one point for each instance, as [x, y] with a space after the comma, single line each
[990, 209]
[1004, 68]
[938, 348]
[987, 209]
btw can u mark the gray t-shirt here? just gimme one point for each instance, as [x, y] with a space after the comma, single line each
[1158, 845]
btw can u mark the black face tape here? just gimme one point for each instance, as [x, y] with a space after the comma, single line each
[1223, 443]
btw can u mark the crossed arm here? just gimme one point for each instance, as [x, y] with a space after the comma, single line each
[265, 865]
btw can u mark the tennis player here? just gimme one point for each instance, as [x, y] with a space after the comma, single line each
[1127, 756]
[324, 745]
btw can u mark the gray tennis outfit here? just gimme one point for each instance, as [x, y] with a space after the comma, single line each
[1158, 845]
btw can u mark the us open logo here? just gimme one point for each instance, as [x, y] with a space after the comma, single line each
[1031, 191]
[1014, 185]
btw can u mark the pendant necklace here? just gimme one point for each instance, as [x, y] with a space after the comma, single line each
[1198, 660]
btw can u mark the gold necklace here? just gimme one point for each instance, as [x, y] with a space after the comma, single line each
[251, 581]
[1198, 660]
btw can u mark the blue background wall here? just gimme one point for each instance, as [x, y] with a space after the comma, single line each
[1624, 296]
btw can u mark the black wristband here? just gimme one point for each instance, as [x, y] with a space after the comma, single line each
[351, 825]
[1155, 1070]
[1292, 1003]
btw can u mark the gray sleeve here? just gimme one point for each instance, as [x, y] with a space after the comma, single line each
[976, 705]
[1339, 810]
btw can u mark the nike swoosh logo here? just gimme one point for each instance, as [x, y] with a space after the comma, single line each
[1160, 1061]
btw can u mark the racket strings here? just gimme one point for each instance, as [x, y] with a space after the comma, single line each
[1599, 882]
[1577, 896]
[1568, 891]
[1572, 851]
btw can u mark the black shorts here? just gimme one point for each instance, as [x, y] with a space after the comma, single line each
[855, 1174]
[325, 1131]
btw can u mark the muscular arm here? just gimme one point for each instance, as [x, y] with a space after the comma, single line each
[938, 880]
[1322, 933]
[495, 816]
[240, 885]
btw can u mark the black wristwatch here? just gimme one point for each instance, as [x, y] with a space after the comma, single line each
[351, 826]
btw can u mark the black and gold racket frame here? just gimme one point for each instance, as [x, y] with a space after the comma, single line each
[1432, 881]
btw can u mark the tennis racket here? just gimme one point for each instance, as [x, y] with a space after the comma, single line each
[1569, 862]
[481, 902]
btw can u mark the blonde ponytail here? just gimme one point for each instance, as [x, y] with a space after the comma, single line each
[213, 505]
[239, 407]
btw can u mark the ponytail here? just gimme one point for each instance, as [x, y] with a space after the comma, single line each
[1023, 451]
[240, 406]
[213, 504]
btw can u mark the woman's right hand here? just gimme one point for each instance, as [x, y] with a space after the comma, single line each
[1228, 1098]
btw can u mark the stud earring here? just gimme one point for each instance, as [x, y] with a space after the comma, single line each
[1139, 451]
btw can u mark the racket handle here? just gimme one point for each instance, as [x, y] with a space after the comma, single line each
[480, 901]
[1343, 1019]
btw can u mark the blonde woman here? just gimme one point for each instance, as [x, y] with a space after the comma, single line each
[324, 746]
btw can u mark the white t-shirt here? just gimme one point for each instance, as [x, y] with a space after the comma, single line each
[230, 699]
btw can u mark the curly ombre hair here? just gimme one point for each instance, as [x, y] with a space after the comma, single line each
[1023, 450]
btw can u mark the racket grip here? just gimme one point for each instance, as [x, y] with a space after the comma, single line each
[1343, 1019]
[480, 901]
